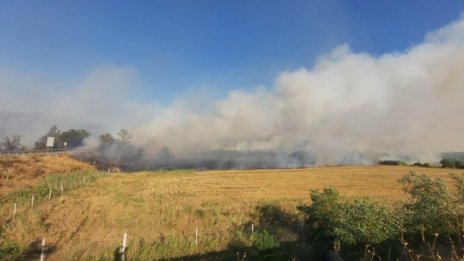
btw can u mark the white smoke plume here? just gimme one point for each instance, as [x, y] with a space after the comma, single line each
[350, 107]
[349, 104]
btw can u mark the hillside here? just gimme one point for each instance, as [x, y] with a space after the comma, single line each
[160, 211]
[18, 172]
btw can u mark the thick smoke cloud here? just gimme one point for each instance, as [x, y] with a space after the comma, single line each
[350, 108]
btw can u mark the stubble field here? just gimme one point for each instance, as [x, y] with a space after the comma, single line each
[161, 211]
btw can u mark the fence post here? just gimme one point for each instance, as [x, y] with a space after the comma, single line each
[42, 255]
[124, 243]
[196, 236]
[61, 189]
[14, 210]
[252, 228]
[32, 201]
[50, 194]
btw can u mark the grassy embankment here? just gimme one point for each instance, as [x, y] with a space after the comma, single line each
[161, 210]
[18, 172]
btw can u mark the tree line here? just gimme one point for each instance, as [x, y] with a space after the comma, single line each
[69, 139]
[112, 151]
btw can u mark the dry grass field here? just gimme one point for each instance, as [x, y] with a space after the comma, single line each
[161, 210]
[22, 171]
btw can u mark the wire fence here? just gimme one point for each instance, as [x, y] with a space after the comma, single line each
[44, 152]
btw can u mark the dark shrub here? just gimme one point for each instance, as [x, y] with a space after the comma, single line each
[392, 162]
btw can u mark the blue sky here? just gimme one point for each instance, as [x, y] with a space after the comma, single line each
[176, 46]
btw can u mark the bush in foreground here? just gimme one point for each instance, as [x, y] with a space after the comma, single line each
[334, 220]
[362, 228]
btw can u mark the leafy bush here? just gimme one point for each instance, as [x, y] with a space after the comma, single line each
[367, 222]
[332, 219]
[432, 214]
[431, 206]
[10, 250]
[264, 240]
[459, 182]
[259, 240]
[324, 216]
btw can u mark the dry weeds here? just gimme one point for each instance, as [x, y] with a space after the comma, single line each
[17, 172]
[168, 206]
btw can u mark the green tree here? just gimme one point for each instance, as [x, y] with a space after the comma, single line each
[124, 135]
[106, 140]
[119, 151]
[448, 163]
[73, 138]
[41, 143]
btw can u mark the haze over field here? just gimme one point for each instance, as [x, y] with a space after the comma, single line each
[349, 107]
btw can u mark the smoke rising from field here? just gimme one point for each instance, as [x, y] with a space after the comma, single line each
[350, 108]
